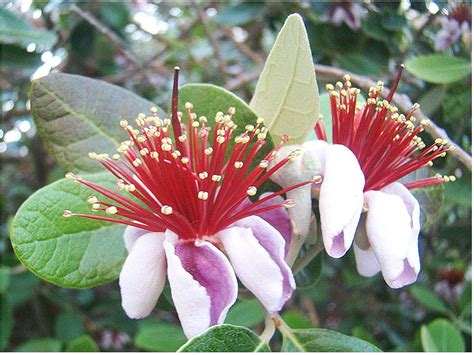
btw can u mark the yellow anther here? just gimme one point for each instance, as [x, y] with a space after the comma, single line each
[185, 160]
[144, 151]
[289, 203]
[208, 151]
[249, 127]
[111, 210]
[452, 178]
[261, 136]
[216, 178]
[195, 124]
[438, 141]
[130, 188]
[430, 163]
[95, 206]
[444, 142]
[154, 110]
[203, 195]
[238, 164]
[264, 164]
[166, 210]
[141, 116]
[231, 111]
[294, 154]
[141, 139]
[92, 199]
[260, 120]
[123, 123]
[67, 213]
[182, 138]
[220, 139]
[116, 156]
[93, 155]
[70, 176]
[137, 162]
[203, 175]
[339, 85]
[329, 87]
[425, 122]
[188, 106]
[166, 147]
[154, 155]
[251, 191]
[203, 119]
[317, 179]
[452, 148]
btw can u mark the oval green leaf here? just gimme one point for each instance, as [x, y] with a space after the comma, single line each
[70, 252]
[438, 68]
[15, 30]
[40, 345]
[84, 343]
[247, 313]
[225, 338]
[428, 299]
[76, 115]
[441, 336]
[159, 337]
[287, 94]
[324, 340]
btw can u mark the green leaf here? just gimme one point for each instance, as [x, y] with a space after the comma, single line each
[287, 94]
[84, 343]
[4, 278]
[15, 30]
[76, 115]
[68, 326]
[40, 345]
[441, 335]
[438, 68]
[225, 338]
[309, 276]
[246, 314]
[323, 340]
[160, 337]
[428, 299]
[17, 57]
[209, 99]
[240, 14]
[6, 321]
[21, 288]
[70, 252]
[296, 320]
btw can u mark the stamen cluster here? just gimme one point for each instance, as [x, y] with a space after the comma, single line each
[195, 184]
[387, 144]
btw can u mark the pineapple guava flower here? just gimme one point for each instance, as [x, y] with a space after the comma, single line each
[373, 146]
[190, 217]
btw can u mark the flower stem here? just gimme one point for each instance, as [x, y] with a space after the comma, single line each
[308, 257]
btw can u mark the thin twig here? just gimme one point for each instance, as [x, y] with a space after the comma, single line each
[92, 20]
[212, 39]
[404, 103]
[243, 47]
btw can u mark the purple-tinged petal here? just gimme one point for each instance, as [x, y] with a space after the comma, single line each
[130, 236]
[256, 251]
[340, 199]
[390, 234]
[278, 218]
[203, 284]
[143, 275]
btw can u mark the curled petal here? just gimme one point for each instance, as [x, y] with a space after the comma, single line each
[366, 261]
[340, 200]
[143, 275]
[203, 284]
[256, 251]
[302, 168]
[389, 229]
[130, 236]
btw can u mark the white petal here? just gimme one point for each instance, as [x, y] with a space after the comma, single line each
[413, 209]
[203, 284]
[366, 261]
[259, 262]
[302, 168]
[389, 229]
[130, 236]
[340, 200]
[143, 275]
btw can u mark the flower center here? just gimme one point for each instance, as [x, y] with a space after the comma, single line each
[387, 144]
